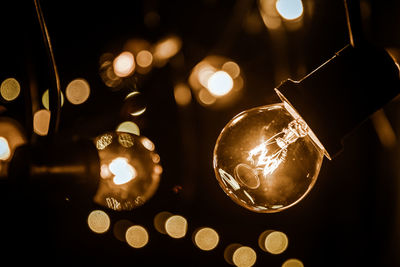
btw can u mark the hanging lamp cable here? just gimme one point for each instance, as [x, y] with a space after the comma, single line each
[54, 91]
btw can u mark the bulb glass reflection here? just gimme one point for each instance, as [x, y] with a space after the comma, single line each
[267, 158]
[129, 174]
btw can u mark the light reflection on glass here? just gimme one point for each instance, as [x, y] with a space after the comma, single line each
[77, 91]
[124, 64]
[134, 104]
[41, 121]
[98, 221]
[10, 89]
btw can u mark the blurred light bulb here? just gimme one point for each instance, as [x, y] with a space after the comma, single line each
[4, 149]
[129, 174]
[267, 158]
[289, 9]
[220, 83]
[124, 64]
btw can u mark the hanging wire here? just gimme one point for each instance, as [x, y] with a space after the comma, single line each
[354, 22]
[54, 91]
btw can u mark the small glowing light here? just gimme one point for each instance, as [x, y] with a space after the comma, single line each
[157, 169]
[124, 64]
[205, 97]
[77, 91]
[98, 221]
[289, 9]
[204, 74]
[232, 69]
[128, 127]
[244, 257]
[144, 58]
[176, 226]
[293, 263]
[123, 171]
[4, 149]
[45, 99]
[103, 141]
[167, 48]
[105, 171]
[159, 221]
[220, 83]
[206, 238]
[120, 228]
[136, 236]
[182, 94]
[148, 144]
[274, 242]
[126, 140]
[41, 121]
[10, 89]
[155, 158]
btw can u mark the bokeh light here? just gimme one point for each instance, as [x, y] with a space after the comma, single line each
[274, 242]
[216, 82]
[46, 101]
[165, 49]
[182, 94]
[10, 89]
[128, 127]
[232, 69]
[77, 91]
[98, 221]
[123, 171]
[176, 226]
[134, 104]
[206, 238]
[120, 228]
[124, 64]
[144, 58]
[41, 122]
[4, 149]
[244, 257]
[289, 9]
[137, 236]
[293, 263]
[159, 221]
[220, 83]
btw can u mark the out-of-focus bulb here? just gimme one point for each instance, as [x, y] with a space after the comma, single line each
[4, 149]
[129, 170]
[289, 9]
[267, 158]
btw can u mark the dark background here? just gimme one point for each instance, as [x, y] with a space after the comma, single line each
[350, 218]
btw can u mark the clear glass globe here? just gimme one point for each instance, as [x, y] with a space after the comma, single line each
[267, 159]
[129, 170]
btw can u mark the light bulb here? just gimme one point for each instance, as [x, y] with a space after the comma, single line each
[129, 170]
[267, 158]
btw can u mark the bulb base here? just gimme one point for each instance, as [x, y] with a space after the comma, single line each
[343, 92]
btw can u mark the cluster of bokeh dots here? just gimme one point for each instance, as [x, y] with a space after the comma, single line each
[204, 238]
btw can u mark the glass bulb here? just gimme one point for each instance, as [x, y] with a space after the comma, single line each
[267, 158]
[129, 170]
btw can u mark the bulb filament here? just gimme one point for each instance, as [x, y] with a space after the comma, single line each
[267, 156]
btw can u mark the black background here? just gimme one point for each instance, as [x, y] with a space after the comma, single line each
[350, 218]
